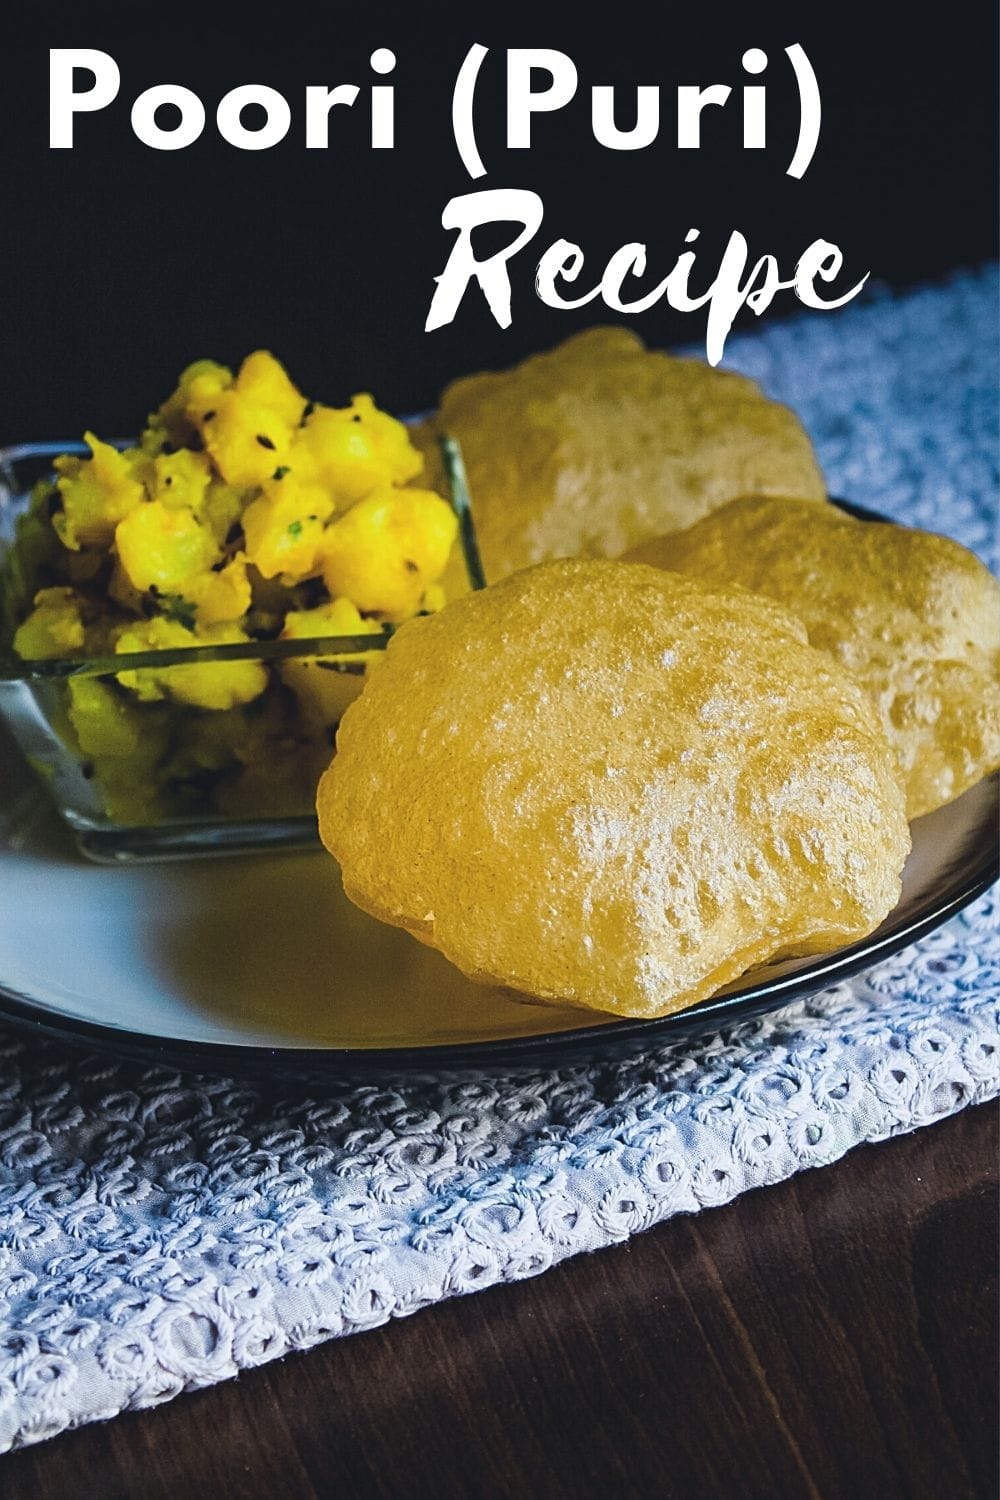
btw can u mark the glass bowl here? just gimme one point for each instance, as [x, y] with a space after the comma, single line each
[184, 781]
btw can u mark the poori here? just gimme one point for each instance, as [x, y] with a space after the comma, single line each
[913, 616]
[609, 786]
[599, 444]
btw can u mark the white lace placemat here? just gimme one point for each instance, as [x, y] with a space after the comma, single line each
[161, 1231]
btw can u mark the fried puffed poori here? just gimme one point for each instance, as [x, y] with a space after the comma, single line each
[609, 786]
[915, 617]
[599, 444]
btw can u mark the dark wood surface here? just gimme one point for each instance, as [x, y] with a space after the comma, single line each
[835, 1335]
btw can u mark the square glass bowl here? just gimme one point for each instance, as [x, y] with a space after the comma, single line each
[181, 781]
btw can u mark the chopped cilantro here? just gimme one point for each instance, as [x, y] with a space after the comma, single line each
[179, 609]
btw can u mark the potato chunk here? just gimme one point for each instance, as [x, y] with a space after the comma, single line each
[97, 493]
[387, 549]
[220, 596]
[172, 421]
[246, 440]
[161, 548]
[322, 686]
[215, 685]
[54, 628]
[264, 381]
[356, 448]
[284, 528]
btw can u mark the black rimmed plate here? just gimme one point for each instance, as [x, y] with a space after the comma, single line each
[260, 963]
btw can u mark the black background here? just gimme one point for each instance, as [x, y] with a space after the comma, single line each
[119, 264]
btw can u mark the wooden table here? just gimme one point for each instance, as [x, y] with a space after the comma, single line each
[835, 1335]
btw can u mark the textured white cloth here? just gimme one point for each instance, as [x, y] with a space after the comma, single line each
[161, 1231]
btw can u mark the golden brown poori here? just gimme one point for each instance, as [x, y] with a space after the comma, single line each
[606, 785]
[913, 616]
[599, 444]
